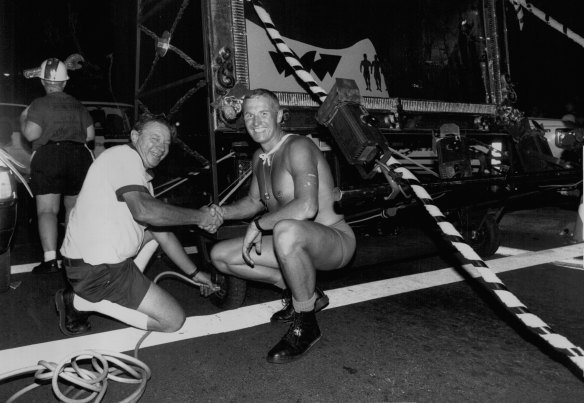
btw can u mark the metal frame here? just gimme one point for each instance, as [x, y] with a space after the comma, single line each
[239, 44]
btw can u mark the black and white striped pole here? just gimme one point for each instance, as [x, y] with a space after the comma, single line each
[471, 258]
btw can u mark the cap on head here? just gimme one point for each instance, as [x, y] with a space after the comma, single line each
[53, 70]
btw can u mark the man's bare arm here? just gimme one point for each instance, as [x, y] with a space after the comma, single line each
[148, 210]
[175, 251]
[247, 206]
[30, 130]
[90, 134]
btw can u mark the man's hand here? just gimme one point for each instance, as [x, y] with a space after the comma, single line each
[211, 219]
[218, 210]
[205, 284]
[253, 238]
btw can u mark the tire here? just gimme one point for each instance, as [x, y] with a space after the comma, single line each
[232, 292]
[5, 271]
[233, 289]
[485, 240]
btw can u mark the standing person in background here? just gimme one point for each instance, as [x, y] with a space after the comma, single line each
[299, 234]
[59, 127]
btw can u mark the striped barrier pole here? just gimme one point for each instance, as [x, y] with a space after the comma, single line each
[530, 8]
[492, 282]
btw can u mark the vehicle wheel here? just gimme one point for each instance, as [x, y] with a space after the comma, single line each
[5, 271]
[485, 240]
[232, 292]
[233, 289]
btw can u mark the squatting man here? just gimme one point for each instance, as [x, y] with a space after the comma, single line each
[299, 233]
[116, 219]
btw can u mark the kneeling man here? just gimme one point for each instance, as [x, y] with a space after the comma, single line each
[115, 220]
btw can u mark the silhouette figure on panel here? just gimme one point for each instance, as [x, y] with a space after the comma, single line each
[377, 72]
[365, 68]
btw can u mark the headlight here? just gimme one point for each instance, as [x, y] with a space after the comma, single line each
[568, 138]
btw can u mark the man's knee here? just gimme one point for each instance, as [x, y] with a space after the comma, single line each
[175, 323]
[219, 258]
[289, 236]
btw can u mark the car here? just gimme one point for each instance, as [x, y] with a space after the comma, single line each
[112, 122]
[14, 162]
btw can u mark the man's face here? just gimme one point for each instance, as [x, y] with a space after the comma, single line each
[262, 118]
[152, 144]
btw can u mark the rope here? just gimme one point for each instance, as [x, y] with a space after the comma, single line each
[179, 52]
[288, 54]
[492, 282]
[530, 8]
[187, 95]
[105, 365]
[150, 33]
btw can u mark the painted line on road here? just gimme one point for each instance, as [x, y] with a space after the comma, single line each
[575, 264]
[27, 267]
[506, 251]
[254, 315]
[191, 250]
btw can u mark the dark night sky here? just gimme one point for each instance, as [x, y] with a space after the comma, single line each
[96, 29]
[545, 65]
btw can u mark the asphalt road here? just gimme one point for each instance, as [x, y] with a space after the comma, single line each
[398, 329]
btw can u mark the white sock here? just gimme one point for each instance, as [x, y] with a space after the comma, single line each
[304, 306]
[128, 316]
[50, 255]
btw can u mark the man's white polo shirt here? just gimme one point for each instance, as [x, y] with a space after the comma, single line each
[101, 228]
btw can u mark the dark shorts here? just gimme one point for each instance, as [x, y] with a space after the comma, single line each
[122, 283]
[59, 168]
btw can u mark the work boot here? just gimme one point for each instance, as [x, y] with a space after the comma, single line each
[50, 266]
[302, 334]
[71, 321]
[286, 314]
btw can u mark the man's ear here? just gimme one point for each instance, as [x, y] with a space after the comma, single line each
[280, 115]
[134, 134]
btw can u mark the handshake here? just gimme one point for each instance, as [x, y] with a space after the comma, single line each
[211, 218]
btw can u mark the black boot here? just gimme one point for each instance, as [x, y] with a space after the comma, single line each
[286, 314]
[71, 321]
[51, 266]
[302, 334]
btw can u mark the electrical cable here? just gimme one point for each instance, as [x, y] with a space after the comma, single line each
[105, 365]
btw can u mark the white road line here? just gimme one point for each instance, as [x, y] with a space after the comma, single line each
[190, 250]
[505, 251]
[253, 315]
[23, 268]
[27, 267]
[575, 264]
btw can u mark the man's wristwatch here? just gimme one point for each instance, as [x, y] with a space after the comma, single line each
[256, 221]
[194, 274]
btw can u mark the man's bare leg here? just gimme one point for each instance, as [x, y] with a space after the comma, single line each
[164, 313]
[227, 258]
[301, 246]
[158, 311]
[69, 203]
[47, 212]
